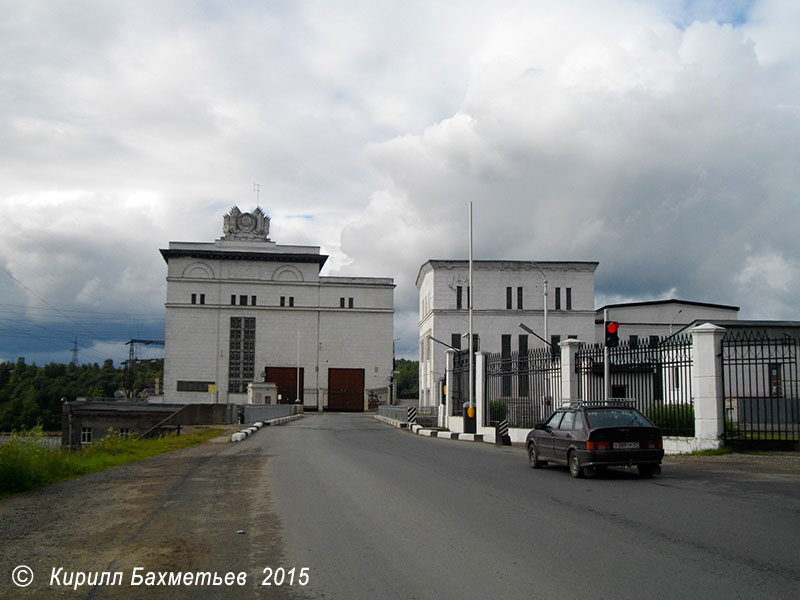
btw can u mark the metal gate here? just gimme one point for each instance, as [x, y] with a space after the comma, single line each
[346, 390]
[761, 389]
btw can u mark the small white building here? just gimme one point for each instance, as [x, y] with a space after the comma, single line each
[244, 309]
[642, 323]
[507, 293]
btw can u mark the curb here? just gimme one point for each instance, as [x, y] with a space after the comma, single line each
[434, 433]
[245, 433]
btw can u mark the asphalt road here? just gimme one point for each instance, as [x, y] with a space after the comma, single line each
[376, 512]
[364, 510]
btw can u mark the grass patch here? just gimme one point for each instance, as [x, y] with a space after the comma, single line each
[716, 452]
[26, 464]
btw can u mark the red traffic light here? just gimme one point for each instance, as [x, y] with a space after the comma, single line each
[612, 339]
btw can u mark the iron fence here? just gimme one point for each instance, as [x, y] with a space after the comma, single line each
[657, 377]
[459, 394]
[520, 387]
[761, 390]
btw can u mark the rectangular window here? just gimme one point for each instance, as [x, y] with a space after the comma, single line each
[476, 342]
[554, 341]
[519, 298]
[524, 379]
[509, 295]
[341, 302]
[86, 435]
[124, 432]
[194, 298]
[291, 300]
[349, 303]
[194, 386]
[233, 300]
[459, 297]
[455, 340]
[243, 300]
[633, 341]
[776, 380]
[283, 300]
[505, 352]
[202, 298]
[241, 363]
[252, 300]
[558, 298]
[569, 298]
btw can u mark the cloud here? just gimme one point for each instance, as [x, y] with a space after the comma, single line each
[656, 138]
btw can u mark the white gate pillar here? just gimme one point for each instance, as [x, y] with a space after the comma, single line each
[570, 389]
[709, 416]
[444, 411]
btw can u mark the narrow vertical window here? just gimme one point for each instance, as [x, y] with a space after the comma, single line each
[349, 303]
[569, 298]
[194, 298]
[341, 304]
[202, 298]
[558, 298]
[86, 435]
[283, 300]
[505, 352]
[233, 300]
[508, 298]
[243, 300]
[455, 340]
[519, 298]
[253, 300]
[459, 297]
[291, 300]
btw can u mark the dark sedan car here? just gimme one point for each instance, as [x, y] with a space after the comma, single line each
[588, 436]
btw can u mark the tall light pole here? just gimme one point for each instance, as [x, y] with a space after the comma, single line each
[471, 296]
[544, 295]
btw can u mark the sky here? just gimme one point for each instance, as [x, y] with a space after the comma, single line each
[658, 138]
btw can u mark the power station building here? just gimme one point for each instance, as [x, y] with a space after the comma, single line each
[243, 310]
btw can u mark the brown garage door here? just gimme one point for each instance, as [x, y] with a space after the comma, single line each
[346, 389]
[286, 380]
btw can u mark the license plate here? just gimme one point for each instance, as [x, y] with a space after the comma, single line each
[626, 445]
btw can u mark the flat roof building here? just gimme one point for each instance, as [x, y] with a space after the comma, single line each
[245, 309]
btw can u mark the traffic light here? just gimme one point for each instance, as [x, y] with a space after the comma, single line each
[612, 334]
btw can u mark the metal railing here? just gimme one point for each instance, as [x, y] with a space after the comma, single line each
[761, 387]
[656, 376]
[520, 387]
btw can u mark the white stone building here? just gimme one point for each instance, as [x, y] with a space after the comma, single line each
[643, 322]
[244, 309]
[507, 293]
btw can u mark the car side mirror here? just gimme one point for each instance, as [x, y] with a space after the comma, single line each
[540, 427]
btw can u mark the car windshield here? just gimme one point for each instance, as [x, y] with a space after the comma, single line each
[616, 417]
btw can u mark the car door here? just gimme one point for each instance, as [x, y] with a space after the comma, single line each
[544, 439]
[562, 437]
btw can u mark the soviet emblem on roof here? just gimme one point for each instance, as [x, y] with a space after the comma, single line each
[237, 225]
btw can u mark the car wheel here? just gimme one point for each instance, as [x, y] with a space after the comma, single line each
[575, 468]
[645, 470]
[533, 457]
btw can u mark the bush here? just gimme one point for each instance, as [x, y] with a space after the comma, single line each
[673, 419]
[498, 410]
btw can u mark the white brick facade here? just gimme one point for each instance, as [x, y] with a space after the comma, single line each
[336, 322]
[506, 293]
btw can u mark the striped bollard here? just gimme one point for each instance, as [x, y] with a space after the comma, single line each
[412, 415]
[501, 436]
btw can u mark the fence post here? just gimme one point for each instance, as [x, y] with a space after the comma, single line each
[569, 377]
[480, 390]
[709, 416]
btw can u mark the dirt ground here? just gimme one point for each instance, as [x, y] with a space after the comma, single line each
[176, 512]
